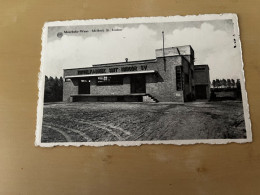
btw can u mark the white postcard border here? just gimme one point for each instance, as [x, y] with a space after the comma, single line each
[159, 19]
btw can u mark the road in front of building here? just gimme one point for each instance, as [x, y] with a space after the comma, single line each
[121, 121]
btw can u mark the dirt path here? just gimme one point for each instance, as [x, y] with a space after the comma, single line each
[135, 121]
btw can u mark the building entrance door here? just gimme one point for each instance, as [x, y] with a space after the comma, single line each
[84, 86]
[201, 92]
[138, 83]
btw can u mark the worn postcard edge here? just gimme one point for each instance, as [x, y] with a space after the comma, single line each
[177, 18]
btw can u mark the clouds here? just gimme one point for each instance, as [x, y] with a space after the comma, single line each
[75, 51]
[211, 46]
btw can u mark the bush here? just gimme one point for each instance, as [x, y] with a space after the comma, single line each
[53, 89]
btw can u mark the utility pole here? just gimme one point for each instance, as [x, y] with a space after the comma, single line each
[164, 60]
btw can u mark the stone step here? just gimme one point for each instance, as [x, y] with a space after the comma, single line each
[149, 98]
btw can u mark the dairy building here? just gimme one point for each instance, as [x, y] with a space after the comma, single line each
[170, 77]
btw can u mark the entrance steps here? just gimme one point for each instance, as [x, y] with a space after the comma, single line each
[149, 98]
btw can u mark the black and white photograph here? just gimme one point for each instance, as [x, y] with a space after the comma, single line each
[154, 80]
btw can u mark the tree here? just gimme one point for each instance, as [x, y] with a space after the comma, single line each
[47, 89]
[60, 89]
[228, 83]
[218, 84]
[233, 83]
[224, 83]
[238, 83]
[53, 89]
[239, 94]
[214, 83]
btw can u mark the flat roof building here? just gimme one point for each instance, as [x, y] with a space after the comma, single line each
[170, 77]
[202, 81]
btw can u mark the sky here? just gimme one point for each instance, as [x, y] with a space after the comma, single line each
[212, 41]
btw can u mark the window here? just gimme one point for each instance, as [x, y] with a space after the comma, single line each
[110, 80]
[179, 79]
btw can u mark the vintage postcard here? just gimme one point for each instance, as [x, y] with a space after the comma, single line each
[155, 80]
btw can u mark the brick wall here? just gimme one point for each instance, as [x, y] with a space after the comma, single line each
[201, 74]
[69, 88]
[110, 89]
[161, 85]
[201, 77]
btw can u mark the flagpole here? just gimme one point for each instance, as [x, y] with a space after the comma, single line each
[164, 60]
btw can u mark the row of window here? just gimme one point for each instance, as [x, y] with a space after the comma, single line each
[105, 80]
[179, 79]
[110, 80]
[118, 80]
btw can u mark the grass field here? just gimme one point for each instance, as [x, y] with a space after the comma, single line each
[96, 122]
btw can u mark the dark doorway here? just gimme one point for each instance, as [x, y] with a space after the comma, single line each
[84, 86]
[138, 83]
[201, 92]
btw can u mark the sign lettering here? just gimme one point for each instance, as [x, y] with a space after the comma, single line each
[92, 71]
[112, 70]
[129, 68]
